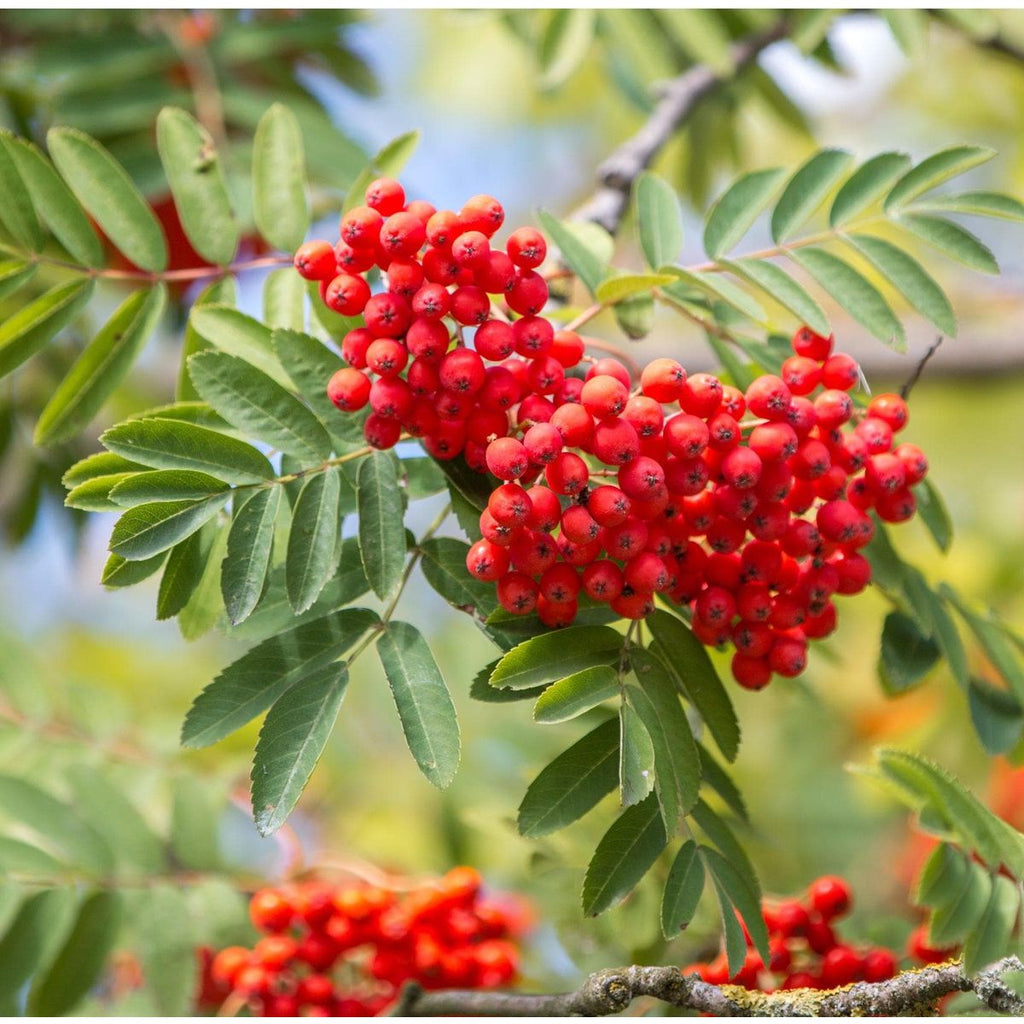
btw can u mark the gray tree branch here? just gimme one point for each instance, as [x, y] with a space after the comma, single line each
[679, 99]
[611, 991]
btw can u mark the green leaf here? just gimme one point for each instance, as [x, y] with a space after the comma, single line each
[580, 257]
[33, 938]
[76, 840]
[676, 761]
[551, 656]
[17, 212]
[934, 170]
[312, 542]
[636, 757]
[954, 921]
[291, 741]
[196, 179]
[941, 878]
[866, 185]
[635, 316]
[423, 701]
[274, 613]
[991, 939]
[173, 444]
[165, 485]
[739, 888]
[27, 331]
[716, 778]
[247, 562]
[576, 693]
[135, 845]
[623, 856]
[82, 958]
[145, 530]
[94, 495]
[715, 828]
[924, 602]
[195, 818]
[576, 781]
[381, 531]
[952, 240]
[785, 290]
[119, 572]
[807, 189]
[907, 656]
[624, 286]
[939, 795]
[994, 642]
[101, 367]
[232, 331]
[997, 716]
[20, 858]
[185, 566]
[909, 278]
[310, 364]
[659, 220]
[701, 35]
[422, 477]
[687, 662]
[284, 299]
[13, 274]
[96, 465]
[732, 214]
[854, 292]
[682, 890]
[167, 948]
[220, 293]
[444, 566]
[205, 606]
[565, 42]
[251, 684]
[910, 29]
[106, 191]
[980, 203]
[258, 406]
[54, 202]
[719, 287]
[934, 514]
[279, 179]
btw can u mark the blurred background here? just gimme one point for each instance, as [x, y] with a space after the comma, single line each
[87, 676]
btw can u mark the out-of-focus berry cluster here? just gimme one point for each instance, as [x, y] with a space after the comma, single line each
[344, 950]
[806, 949]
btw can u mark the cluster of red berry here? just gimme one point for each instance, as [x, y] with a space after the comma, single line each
[805, 950]
[755, 523]
[345, 950]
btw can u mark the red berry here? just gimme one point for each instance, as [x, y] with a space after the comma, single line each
[487, 561]
[315, 261]
[349, 389]
[811, 345]
[526, 248]
[507, 458]
[662, 380]
[385, 195]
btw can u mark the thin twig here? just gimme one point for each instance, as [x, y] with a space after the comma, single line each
[611, 991]
[201, 74]
[919, 369]
[679, 99]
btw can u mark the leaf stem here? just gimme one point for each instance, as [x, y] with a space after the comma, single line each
[388, 613]
[145, 276]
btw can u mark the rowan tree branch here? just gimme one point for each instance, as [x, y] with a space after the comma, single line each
[611, 991]
[679, 99]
